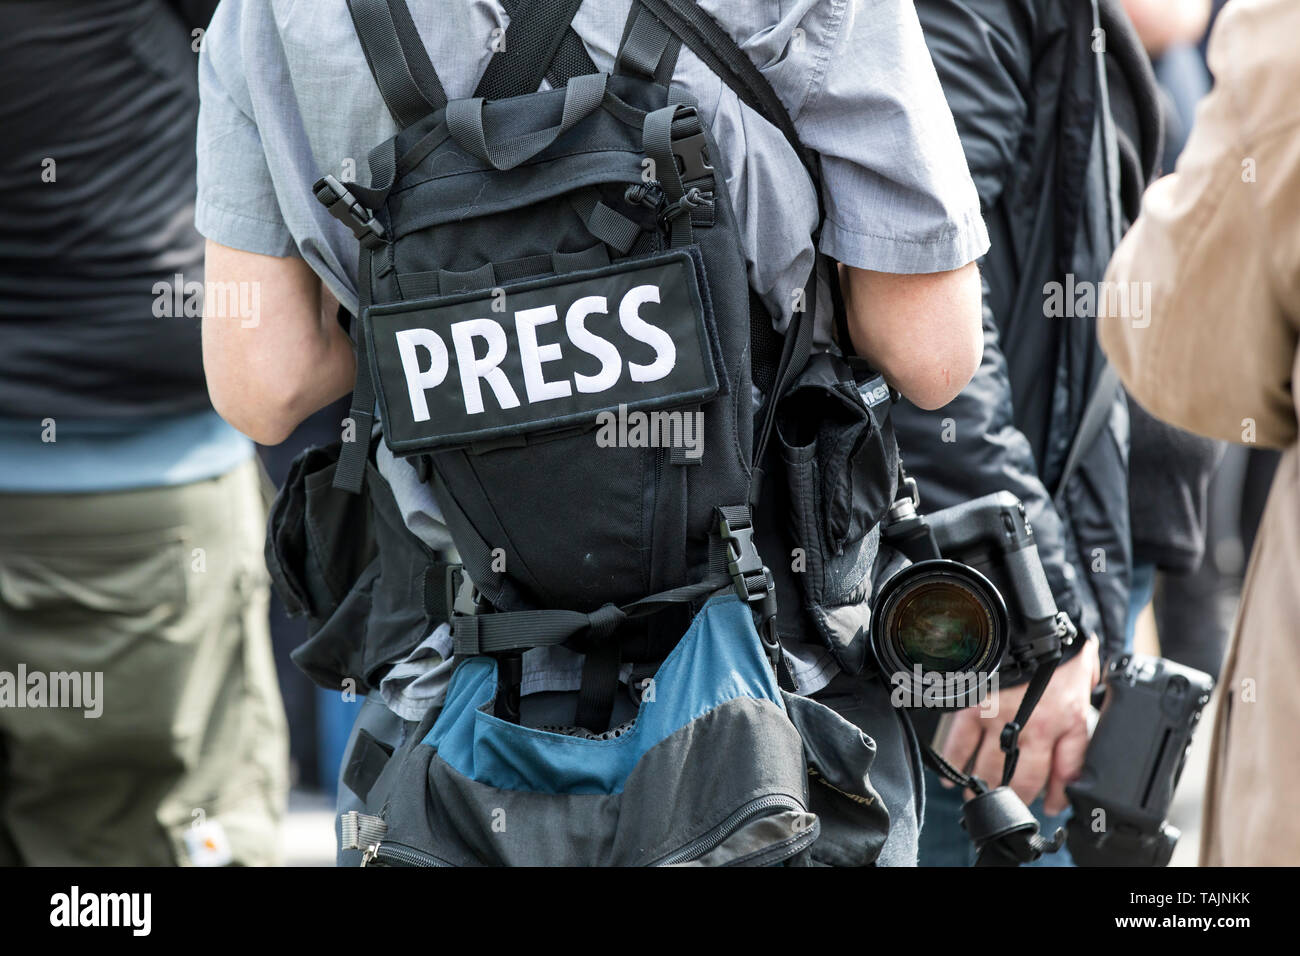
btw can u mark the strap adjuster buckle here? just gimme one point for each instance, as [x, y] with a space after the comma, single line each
[751, 577]
[347, 209]
[463, 598]
[692, 155]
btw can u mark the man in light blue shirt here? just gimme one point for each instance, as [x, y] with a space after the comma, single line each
[286, 93]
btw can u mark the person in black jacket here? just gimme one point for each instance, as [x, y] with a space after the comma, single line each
[1059, 159]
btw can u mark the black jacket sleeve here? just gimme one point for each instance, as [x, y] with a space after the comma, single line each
[984, 52]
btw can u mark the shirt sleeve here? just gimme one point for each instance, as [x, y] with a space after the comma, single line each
[863, 93]
[236, 205]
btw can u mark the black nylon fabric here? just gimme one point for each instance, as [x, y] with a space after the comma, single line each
[538, 31]
[370, 589]
[503, 503]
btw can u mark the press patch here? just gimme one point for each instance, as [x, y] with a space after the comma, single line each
[547, 353]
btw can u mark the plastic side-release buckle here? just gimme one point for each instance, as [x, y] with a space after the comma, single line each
[463, 598]
[466, 603]
[347, 209]
[753, 579]
[692, 154]
[743, 561]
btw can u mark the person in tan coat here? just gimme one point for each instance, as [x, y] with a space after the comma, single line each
[1218, 241]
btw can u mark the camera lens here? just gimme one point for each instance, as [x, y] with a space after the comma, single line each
[942, 626]
[939, 630]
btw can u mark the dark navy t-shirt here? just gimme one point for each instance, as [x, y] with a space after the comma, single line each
[98, 105]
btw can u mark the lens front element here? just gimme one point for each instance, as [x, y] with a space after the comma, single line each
[939, 630]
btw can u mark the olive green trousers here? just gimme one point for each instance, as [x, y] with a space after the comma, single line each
[140, 717]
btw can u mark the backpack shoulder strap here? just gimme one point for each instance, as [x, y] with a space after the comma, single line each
[540, 43]
[397, 59]
[648, 49]
[707, 39]
[643, 51]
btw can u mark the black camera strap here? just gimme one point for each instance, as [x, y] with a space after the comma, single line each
[997, 821]
[1010, 739]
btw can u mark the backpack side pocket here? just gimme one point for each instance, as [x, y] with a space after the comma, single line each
[841, 472]
[343, 560]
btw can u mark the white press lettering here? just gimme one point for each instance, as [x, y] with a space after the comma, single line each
[611, 363]
[408, 340]
[643, 331]
[474, 369]
[532, 355]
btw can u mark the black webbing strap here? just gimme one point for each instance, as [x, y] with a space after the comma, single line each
[660, 129]
[502, 631]
[411, 89]
[648, 48]
[397, 59]
[679, 453]
[603, 221]
[599, 687]
[719, 52]
[451, 282]
[437, 600]
[537, 32]
[465, 123]
[1010, 740]
[1095, 416]
[350, 473]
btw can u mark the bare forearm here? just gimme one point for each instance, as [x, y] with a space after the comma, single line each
[923, 332]
[269, 372]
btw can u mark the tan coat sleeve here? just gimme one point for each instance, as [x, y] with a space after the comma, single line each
[1218, 242]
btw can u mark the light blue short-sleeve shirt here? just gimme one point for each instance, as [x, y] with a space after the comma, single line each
[287, 97]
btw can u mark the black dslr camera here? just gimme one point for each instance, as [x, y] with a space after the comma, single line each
[976, 587]
[1150, 710]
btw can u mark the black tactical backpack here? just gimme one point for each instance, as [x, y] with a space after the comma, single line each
[556, 328]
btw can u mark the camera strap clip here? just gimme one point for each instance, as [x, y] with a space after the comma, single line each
[1010, 738]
